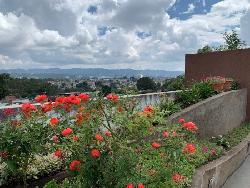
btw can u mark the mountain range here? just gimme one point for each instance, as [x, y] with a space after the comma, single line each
[89, 72]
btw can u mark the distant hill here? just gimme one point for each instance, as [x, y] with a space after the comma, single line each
[90, 72]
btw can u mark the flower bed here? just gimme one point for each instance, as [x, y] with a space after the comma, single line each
[101, 143]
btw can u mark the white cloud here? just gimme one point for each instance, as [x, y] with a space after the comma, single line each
[61, 33]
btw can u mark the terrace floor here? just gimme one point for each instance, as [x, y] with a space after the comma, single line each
[241, 178]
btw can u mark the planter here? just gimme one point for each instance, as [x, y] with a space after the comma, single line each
[216, 173]
[228, 85]
[216, 115]
[219, 87]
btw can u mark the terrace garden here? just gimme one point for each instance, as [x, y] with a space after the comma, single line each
[107, 142]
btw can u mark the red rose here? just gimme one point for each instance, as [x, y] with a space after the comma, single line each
[54, 121]
[130, 185]
[177, 177]
[113, 97]
[67, 131]
[75, 165]
[165, 134]
[84, 97]
[40, 98]
[108, 133]
[99, 137]
[95, 153]
[75, 138]
[140, 185]
[181, 121]
[190, 126]
[58, 153]
[155, 145]
[189, 148]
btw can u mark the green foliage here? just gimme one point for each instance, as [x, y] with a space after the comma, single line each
[199, 91]
[105, 90]
[238, 134]
[205, 49]
[233, 41]
[25, 87]
[146, 83]
[168, 107]
[174, 84]
[235, 85]
[84, 87]
[3, 85]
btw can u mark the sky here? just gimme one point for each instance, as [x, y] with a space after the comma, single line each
[114, 34]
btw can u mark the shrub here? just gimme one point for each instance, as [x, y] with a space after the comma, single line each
[199, 91]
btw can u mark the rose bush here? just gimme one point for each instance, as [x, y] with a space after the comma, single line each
[105, 143]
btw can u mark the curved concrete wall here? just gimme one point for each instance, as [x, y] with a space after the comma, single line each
[217, 115]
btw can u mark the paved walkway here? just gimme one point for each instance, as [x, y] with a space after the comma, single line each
[241, 178]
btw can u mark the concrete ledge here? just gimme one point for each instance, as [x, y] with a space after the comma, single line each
[217, 115]
[215, 173]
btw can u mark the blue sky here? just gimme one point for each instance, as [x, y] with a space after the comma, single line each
[138, 34]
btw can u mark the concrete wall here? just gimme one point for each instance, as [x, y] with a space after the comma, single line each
[217, 115]
[234, 64]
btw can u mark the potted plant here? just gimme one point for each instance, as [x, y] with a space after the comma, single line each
[217, 83]
[228, 84]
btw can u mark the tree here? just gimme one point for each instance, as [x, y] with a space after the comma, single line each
[3, 85]
[105, 90]
[84, 86]
[146, 83]
[233, 41]
[205, 49]
[174, 84]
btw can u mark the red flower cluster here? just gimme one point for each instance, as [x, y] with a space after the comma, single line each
[58, 153]
[156, 145]
[55, 139]
[148, 109]
[67, 132]
[181, 121]
[41, 98]
[75, 165]
[95, 153]
[177, 177]
[190, 126]
[75, 138]
[84, 97]
[165, 134]
[112, 97]
[4, 155]
[54, 121]
[47, 107]
[189, 148]
[27, 108]
[99, 137]
[108, 133]
[8, 111]
[130, 185]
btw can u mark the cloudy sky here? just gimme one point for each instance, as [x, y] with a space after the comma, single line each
[139, 34]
